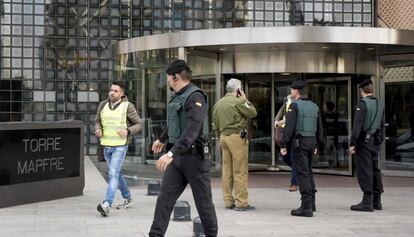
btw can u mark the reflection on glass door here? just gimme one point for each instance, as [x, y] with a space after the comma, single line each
[333, 101]
[399, 116]
[208, 84]
[331, 95]
[155, 121]
[204, 67]
[260, 143]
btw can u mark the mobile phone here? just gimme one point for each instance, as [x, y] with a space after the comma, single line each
[238, 92]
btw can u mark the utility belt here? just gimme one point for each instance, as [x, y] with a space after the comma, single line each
[377, 138]
[199, 148]
[367, 137]
[296, 140]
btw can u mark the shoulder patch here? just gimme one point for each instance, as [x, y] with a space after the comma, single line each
[199, 104]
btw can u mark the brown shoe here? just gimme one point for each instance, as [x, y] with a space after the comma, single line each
[246, 208]
[293, 188]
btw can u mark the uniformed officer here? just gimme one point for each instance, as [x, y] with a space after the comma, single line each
[303, 130]
[185, 162]
[367, 136]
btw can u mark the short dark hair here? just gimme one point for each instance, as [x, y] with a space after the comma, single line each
[185, 75]
[120, 84]
[303, 91]
[368, 89]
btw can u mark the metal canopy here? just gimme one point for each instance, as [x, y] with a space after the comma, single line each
[378, 41]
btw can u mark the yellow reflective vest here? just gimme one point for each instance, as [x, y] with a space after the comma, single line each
[112, 121]
[288, 102]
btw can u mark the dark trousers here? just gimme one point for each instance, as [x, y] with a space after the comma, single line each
[186, 169]
[302, 160]
[288, 160]
[368, 172]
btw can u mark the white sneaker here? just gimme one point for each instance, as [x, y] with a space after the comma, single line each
[103, 208]
[127, 203]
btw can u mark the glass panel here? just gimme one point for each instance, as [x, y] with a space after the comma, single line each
[399, 116]
[204, 76]
[150, 101]
[259, 132]
[332, 98]
[331, 94]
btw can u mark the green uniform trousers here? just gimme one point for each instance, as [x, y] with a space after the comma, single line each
[235, 170]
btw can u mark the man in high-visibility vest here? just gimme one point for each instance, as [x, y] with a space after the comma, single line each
[280, 121]
[116, 120]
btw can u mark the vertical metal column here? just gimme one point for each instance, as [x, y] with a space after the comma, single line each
[350, 106]
[380, 94]
[144, 108]
[217, 150]
[273, 166]
[182, 53]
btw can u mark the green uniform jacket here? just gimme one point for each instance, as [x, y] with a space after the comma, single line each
[230, 114]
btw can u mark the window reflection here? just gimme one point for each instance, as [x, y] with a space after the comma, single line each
[399, 115]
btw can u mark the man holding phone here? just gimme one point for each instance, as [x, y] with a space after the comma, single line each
[230, 116]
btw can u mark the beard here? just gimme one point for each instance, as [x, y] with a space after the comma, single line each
[113, 99]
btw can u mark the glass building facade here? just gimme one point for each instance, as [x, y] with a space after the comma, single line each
[57, 57]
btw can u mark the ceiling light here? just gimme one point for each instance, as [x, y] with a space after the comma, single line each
[222, 49]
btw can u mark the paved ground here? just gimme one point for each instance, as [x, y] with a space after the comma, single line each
[77, 217]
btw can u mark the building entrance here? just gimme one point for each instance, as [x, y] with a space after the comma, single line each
[333, 95]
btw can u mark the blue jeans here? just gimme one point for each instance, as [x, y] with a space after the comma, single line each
[288, 160]
[114, 157]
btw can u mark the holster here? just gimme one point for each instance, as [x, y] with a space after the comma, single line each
[203, 149]
[367, 138]
[295, 142]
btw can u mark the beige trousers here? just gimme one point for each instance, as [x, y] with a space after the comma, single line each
[235, 170]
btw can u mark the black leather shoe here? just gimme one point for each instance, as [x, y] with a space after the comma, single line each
[246, 208]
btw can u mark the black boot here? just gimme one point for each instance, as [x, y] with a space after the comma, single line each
[313, 202]
[365, 205]
[305, 208]
[376, 201]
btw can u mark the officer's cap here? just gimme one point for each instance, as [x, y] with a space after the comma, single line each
[298, 84]
[177, 66]
[365, 82]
